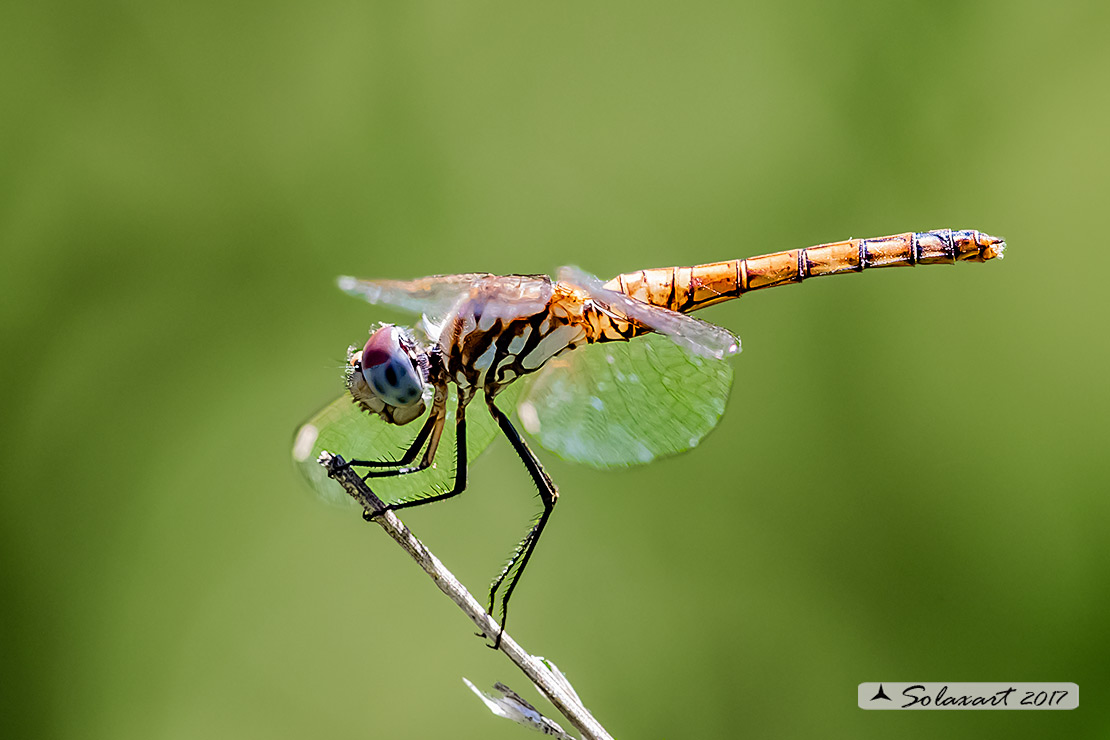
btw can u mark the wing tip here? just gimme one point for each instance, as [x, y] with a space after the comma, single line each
[364, 289]
[720, 352]
[304, 441]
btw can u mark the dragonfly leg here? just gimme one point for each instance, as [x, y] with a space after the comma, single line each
[410, 453]
[549, 494]
[460, 466]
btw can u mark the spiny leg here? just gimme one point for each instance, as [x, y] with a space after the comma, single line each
[460, 465]
[523, 553]
[410, 453]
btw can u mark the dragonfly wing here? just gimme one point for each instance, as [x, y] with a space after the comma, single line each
[342, 428]
[625, 403]
[432, 296]
[695, 335]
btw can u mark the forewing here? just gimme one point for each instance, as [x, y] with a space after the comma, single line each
[432, 296]
[625, 403]
[694, 335]
[342, 428]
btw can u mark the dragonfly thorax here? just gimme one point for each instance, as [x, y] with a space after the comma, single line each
[389, 374]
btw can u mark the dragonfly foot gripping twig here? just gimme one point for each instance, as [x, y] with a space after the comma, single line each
[550, 683]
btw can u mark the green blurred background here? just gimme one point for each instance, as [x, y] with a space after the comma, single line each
[909, 484]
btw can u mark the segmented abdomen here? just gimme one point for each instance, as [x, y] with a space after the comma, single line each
[686, 289]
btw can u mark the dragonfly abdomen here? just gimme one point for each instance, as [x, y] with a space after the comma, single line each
[686, 289]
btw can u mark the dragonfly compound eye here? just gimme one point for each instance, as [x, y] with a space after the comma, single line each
[389, 369]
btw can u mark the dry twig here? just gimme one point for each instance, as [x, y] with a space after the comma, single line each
[551, 684]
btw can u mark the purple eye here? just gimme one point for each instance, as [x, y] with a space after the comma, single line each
[387, 366]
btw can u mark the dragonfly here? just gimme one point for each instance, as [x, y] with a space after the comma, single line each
[607, 374]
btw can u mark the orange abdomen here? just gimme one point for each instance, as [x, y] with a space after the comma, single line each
[686, 289]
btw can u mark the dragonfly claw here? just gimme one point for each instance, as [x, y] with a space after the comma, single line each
[370, 515]
[496, 643]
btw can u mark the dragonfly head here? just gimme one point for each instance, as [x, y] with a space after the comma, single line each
[388, 375]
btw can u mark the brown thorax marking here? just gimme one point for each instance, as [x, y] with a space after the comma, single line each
[493, 356]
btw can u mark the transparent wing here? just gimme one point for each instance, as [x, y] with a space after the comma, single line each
[343, 429]
[432, 296]
[625, 403]
[436, 297]
[695, 335]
